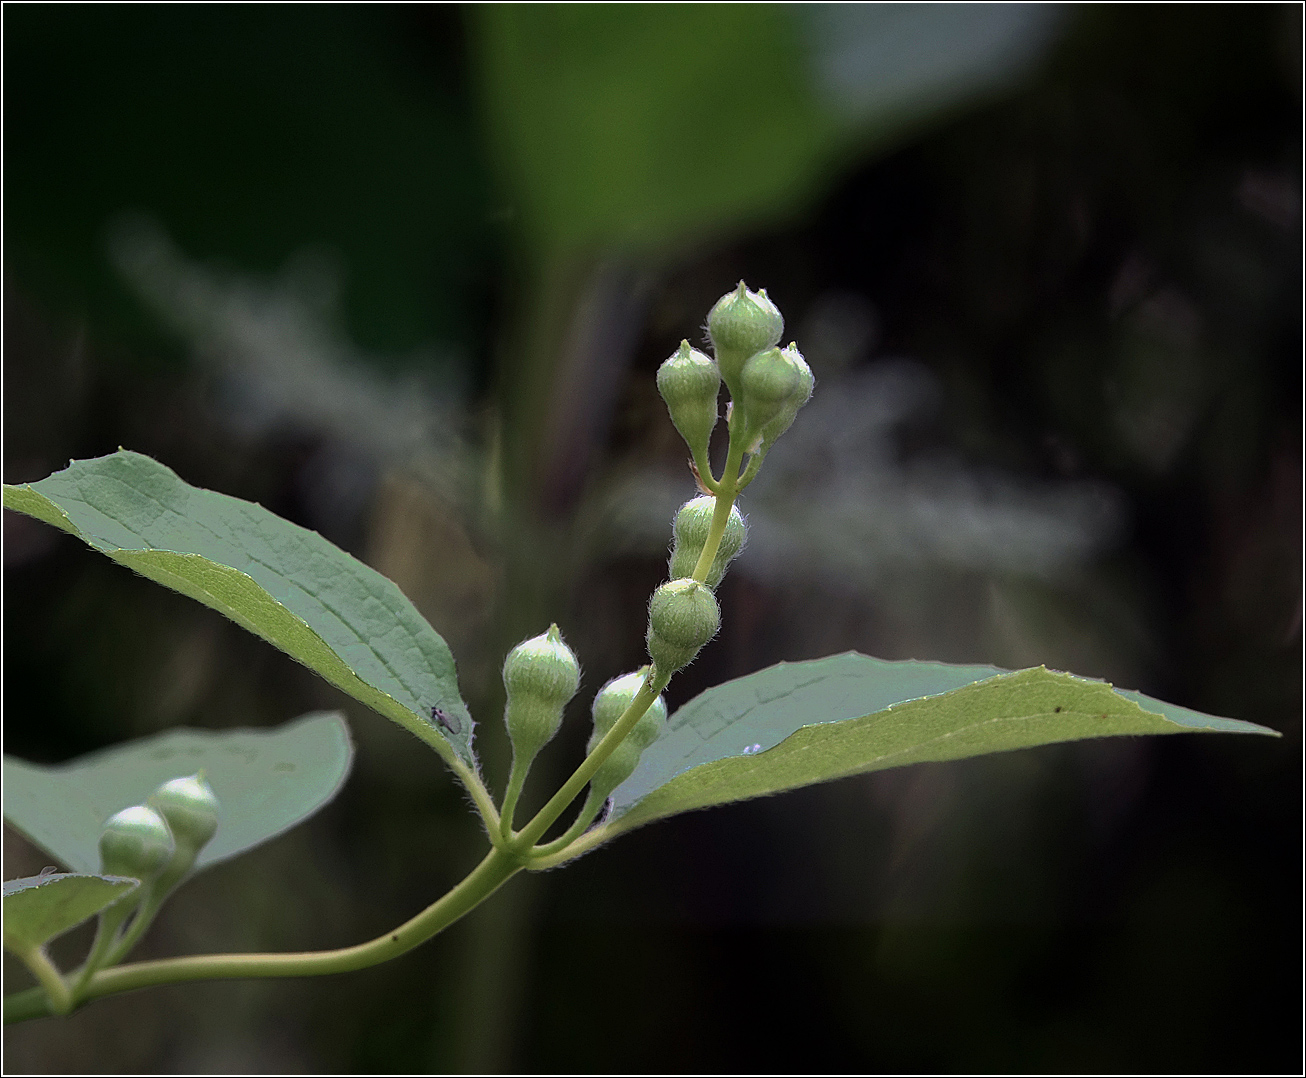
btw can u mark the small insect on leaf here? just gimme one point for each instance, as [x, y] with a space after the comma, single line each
[450, 722]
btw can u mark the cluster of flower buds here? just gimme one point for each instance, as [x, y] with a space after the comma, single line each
[157, 842]
[540, 675]
[767, 384]
[609, 705]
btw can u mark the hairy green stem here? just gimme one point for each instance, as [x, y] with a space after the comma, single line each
[53, 995]
[472, 783]
[725, 499]
[145, 915]
[483, 881]
[516, 779]
[106, 932]
[540, 861]
[754, 466]
[703, 469]
[592, 807]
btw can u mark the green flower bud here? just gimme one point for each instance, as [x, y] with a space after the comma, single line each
[609, 705]
[742, 324]
[612, 700]
[540, 674]
[682, 617]
[784, 419]
[135, 842]
[689, 534]
[616, 769]
[769, 380]
[689, 382]
[191, 809]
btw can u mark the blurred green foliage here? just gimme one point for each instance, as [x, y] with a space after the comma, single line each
[642, 126]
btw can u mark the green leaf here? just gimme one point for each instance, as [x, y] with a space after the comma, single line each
[287, 584]
[795, 724]
[38, 908]
[266, 781]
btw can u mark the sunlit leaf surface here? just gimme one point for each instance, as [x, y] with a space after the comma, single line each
[38, 908]
[795, 724]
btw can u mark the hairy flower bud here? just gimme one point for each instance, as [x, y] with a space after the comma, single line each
[191, 809]
[540, 675]
[616, 769]
[135, 842]
[612, 700]
[689, 382]
[689, 536]
[609, 705]
[682, 617]
[768, 382]
[742, 324]
[802, 393]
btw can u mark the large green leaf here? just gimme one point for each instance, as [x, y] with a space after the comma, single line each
[38, 908]
[266, 781]
[318, 604]
[795, 724]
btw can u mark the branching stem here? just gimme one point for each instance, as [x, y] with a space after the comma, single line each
[725, 500]
[483, 881]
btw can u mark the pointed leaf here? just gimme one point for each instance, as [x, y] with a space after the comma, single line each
[318, 604]
[266, 781]
[799, 723]
[38, 908]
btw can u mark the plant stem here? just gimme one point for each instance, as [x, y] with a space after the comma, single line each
[483, 881]
[593, 805]
[654, 683]
[703, 469]
[586, 842]
[105, 931]
[145, 915]
[725, 498]
[754, 465]
[53, 995]
[480, 795]
[516, 779]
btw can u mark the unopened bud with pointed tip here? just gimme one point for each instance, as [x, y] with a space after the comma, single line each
[689, 382]
[741, 324]
[689, 536]
[609, 705]
[540, 675]
[682, 617]
[191, 808]
[135, 842]
[769, 380]
[802, 393]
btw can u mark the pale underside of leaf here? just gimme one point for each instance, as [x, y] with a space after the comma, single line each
[266, 782]
[282, 582]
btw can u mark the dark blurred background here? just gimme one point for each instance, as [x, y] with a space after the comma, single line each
[404, 275]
